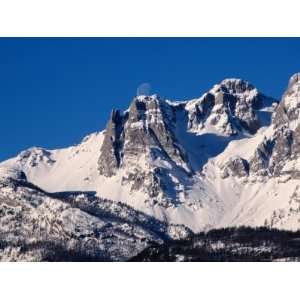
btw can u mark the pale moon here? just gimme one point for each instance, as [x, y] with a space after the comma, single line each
[144, 89]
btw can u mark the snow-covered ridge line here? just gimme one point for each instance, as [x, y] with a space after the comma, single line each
[217, 160]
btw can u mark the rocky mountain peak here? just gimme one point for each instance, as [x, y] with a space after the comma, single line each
[140, 143]
[147, 124]
[270, 157]
[147, 97]
[292, 95]
[294, 80]
[35, 156]
[236, 86]
[233, 106]
[287, 112]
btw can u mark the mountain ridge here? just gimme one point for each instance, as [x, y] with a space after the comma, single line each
[199, 162]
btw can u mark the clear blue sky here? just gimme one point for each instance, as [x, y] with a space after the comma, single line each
[55, 91]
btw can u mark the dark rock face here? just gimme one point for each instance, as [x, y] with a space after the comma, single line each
[259, 162]
[289, 107]
[282, 150]
[111, 151]
[295, 148]
[280, 117]
[201, 111]
[236, 166]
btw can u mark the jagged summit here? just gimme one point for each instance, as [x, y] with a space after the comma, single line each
[236, 85]
[141, 148]
[288, 110]
[295, 79]
[147, 97]
[233, 106]
[293, 90]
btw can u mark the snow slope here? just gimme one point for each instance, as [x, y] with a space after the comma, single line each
[70, 169]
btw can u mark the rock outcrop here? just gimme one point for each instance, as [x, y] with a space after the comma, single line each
[229, 108]
[283, 145]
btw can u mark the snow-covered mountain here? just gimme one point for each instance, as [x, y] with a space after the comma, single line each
[261, 173]
[229, 157]
[36, 225]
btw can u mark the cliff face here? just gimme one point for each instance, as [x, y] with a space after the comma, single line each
[111, 150]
